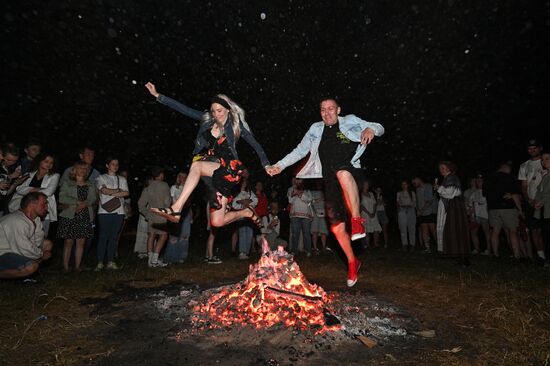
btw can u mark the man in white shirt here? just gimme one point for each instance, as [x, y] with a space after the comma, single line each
[22, 244]
[530, 175]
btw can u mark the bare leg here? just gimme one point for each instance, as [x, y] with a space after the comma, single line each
[324, 241]
[487, 233]
[495, 241]
[536, 235]
[344, 240]
[78, 253]
[350, 190]
[210, 243]
[314, 238]
[234, 240]
[198, 169]
[433, 231]
[513, 236]
[160, 242]
[474, 233]
[376, 239]
[67, 248]
[150, 242]
[221, 218]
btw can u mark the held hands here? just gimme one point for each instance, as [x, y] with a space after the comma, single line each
[366, 136]
[151, 87]
[273, 170]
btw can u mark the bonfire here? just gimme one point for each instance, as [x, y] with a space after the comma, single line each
[274, 294]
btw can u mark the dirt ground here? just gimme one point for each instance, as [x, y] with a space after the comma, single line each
[490, 313]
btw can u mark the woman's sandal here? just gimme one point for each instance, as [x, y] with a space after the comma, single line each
[167, 213]
[255, 218]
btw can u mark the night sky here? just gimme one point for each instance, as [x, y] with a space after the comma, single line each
[447, 80]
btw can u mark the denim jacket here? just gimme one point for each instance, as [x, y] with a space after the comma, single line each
[201, 143]
[351, 126]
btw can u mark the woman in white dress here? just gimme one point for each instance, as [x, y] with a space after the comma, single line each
[368, 212]
[406, 215]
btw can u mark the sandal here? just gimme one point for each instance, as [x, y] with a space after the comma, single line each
[167, 213]
[255, 218]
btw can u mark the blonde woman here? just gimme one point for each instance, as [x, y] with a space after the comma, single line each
[77, 197]
[220, 129]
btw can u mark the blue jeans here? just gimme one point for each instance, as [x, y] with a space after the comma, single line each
[300, 225]
[177, 248]
[246, 232]
[109, 226]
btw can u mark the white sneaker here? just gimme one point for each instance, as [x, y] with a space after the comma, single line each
[142, 255]
[243, 256]
[99, 267]
[112, 265]
[158, 264]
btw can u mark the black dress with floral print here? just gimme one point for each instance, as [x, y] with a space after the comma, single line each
[228, 175]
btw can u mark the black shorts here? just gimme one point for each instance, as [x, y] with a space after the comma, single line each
[428, 219]
[335, 206]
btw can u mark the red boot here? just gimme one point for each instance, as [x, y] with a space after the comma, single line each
[353, 269]
[357, 228]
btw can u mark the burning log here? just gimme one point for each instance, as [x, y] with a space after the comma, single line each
[294, 295]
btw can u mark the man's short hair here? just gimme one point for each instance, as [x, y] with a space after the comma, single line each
[81, 149]
[32, 142]
[10, 149]
[330, 98]
[156, 171]
[31, 197]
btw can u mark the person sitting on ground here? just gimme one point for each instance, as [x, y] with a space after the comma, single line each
[22, 244]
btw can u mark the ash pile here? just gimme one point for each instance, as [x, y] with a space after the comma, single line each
[276, 304]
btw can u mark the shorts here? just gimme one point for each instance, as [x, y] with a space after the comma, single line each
[14, 261]
[319, 225]
[506, 218]
[428, 219]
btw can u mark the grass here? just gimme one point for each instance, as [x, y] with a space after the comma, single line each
[497, 312]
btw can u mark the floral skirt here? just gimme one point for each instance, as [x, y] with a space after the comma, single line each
[224, 180]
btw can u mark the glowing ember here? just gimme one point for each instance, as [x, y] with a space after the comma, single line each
[275, 293]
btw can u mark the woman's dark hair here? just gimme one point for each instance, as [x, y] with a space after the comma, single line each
[109, 159]
[40, 158]
[450, 165]
[409, 188]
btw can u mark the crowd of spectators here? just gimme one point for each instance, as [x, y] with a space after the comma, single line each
[496, 209]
